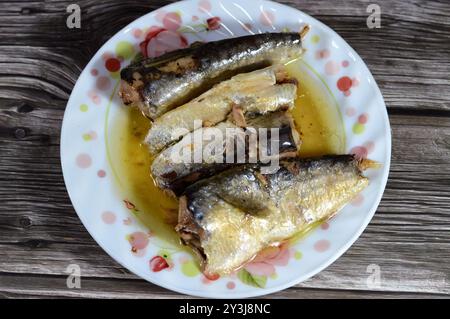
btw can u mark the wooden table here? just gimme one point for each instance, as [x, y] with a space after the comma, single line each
[40, 233]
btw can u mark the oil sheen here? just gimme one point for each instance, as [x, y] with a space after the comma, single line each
[316, 117]
[316, 114]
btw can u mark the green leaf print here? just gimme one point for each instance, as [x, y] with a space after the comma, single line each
[252, 280]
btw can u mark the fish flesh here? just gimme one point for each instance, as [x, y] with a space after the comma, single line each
[166, 170]
[173, 125]
[160, 84]
[157, 85]
[210, 107]
[174, 173]
[227, 219]
[230, 217]
[254, 92]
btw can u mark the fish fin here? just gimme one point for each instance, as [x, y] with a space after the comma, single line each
[304, 31]
[365, 163]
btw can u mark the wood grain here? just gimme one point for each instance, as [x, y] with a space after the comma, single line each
[40, 234]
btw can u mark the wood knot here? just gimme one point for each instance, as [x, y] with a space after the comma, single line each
[25, 222]
[20, 133]
[24, 108]
[25, 11]
[35, 243]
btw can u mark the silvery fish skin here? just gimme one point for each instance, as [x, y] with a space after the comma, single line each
[161, 84]
[230, 217]
[256, 92]
[175, 174]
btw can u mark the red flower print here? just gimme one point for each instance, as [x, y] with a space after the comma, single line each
[138, 241]
[344, 83]
[211, 277]
[158, 263]
[266, 260]
[171, 21]
[112, 64]
[161, 40]
[213, 23]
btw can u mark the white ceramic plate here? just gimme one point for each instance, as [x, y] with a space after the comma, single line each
[93, 104]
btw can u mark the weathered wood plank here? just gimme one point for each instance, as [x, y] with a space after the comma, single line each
[40, 60]
[37, 286]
